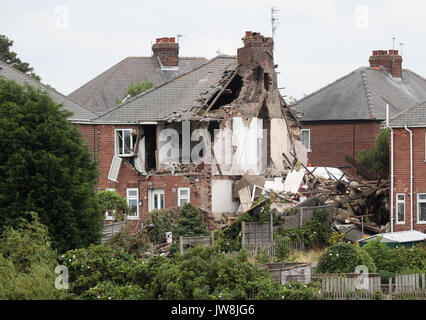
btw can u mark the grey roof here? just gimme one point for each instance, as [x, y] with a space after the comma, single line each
[363, 95]
[182, 94]
[100, 94]
[415, 116]
[399, 237]
[79, 113]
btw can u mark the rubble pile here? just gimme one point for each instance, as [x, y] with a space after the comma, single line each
[358, 207]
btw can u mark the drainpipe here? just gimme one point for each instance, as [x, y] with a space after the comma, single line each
[411, 177]
[392, 219]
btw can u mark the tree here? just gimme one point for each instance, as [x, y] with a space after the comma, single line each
[134, 89]
[27, 263]
[377, 158]
[191, 222]
[46, 168]
[111, 200]
[11, 58]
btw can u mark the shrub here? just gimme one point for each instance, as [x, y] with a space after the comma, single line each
[294, 290]
[111, 200]
[27, 263]
[344, 258]
[161, 221]
[108, 290]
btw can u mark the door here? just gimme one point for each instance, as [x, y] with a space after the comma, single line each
[157, 199]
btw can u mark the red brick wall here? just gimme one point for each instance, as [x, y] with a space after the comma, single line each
[402, 172]
[128, 177]
[331, 142]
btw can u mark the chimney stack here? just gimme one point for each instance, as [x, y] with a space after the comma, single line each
[390, 60]
[256, 48]
[167, 50]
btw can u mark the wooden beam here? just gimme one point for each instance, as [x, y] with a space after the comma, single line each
[220, 93]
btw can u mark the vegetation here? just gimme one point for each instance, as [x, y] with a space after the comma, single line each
[46, 168]
[27, 263]
[377, 158]
[135, 89]
[11, 58]
[112, 201]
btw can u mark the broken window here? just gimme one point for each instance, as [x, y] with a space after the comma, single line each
[305, 137]
[183, 196]
[264, 115]
[114, 170]
[150, 134]
[133, 202]
[124, 142]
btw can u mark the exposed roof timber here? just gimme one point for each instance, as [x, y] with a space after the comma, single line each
[220, 93]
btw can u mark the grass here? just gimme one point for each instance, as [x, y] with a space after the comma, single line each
[310, 256]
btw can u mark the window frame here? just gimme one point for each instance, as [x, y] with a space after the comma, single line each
[419, 201]
[151, 198]
[397, 201]
[132, 153]
[187, 197]
[109, 217]
[129, 198]
[309, 140]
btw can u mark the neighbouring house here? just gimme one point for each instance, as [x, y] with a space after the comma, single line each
[101, 93]
[346, 116]
[191, 138]
[408, 169]
[81, 117]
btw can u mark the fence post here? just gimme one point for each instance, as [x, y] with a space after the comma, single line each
[181, 245]
[423, 282]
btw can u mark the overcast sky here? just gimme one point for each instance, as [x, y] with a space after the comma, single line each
[317, 41]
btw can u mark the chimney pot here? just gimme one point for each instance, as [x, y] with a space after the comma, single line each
[167, 50]
[248, 33]
[172, 40]
[388, 60]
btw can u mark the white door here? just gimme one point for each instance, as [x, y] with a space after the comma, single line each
[157, 199]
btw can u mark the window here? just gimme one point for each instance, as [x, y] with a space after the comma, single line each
[305, 137]
[184, 196]
[157, 200]
[400, 208]
[114, 170]
[110, 215]
[124, 142]
[421, 208]
[133, 202]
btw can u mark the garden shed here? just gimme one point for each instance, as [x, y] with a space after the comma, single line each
[397, 239]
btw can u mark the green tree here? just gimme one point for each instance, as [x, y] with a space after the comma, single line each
[377, 158]
[111, 200]
[191, 222]
[27, 263]
[134, 89]
[45, 167]
[11, 58]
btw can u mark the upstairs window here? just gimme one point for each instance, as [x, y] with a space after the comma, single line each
[400, 208]
[305, 137]
[421, 208]
[124, 142]
[184, 196]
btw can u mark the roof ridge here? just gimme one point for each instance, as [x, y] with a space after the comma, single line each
[98, 76]
[325, 87]
[47, 88]
[161, 85]
[368, 94]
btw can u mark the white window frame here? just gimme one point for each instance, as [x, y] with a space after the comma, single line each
[183, 197]
[113, 176]
[397, 201]
[418, 207]
[131, 153]
[309, 140]
[151, 202]
[132, 197]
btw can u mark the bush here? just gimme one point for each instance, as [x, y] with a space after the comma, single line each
[111, 200]
[128, 242]
[344, 258]
[294, 290]
[161, 221]
[27, 263]
[110, 291]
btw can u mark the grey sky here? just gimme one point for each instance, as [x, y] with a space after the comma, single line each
[317, 41]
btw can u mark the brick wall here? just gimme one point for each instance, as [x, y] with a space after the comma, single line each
[199, 183]
[402, 173]
[331, 142]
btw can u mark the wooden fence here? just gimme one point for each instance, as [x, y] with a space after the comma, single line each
[408, 286]
[205, 240]
[110, 230]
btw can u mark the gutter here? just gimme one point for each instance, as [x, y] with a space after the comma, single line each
[411, 177]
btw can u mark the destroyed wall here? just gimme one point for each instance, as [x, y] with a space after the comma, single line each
[402, 174]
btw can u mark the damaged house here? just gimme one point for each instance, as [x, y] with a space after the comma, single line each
[191, 138]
